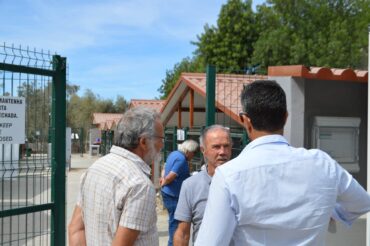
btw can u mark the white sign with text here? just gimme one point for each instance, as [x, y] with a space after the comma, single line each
[12, 120]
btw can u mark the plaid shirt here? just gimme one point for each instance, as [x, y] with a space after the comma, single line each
[116, 191]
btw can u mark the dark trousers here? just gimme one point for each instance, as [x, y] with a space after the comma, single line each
[170, 203]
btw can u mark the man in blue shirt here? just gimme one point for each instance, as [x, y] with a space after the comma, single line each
[176, 171]
[273, 193]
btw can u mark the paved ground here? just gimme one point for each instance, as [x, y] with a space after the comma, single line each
[78, 166]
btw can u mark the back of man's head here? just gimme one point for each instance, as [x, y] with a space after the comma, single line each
[264, 102]
[188, 146]
[134, 124]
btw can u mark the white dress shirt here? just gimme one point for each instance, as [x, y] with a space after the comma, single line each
[275, 194]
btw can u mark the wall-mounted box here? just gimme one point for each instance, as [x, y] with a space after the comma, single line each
[339, 137]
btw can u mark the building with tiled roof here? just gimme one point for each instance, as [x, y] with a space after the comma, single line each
[327, 109]
[313, 94]
[106, 121]
[185, 106]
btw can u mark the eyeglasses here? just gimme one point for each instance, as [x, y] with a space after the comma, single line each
[241, 116]
[163, 138]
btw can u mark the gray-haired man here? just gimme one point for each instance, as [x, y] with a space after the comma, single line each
[116, 205]
[215, 144]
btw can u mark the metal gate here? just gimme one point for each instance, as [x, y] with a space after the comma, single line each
[32, 174]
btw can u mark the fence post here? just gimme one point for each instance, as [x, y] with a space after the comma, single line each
[58, 191]
[82, 145]
[174, 139]
[210, 95]
[186, 130]
[103, 145]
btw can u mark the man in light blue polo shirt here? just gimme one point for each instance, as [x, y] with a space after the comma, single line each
[215, 144]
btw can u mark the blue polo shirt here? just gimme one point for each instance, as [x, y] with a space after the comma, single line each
[177, 163]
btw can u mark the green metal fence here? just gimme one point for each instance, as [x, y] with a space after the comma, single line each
[32, 174]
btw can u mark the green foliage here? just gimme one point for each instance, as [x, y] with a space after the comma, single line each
[229, 45]
[38, 106]
[330, 33]
[327, 33]
[172, 76]
[80, 109]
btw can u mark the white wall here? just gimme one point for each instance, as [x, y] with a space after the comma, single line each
[294, 127]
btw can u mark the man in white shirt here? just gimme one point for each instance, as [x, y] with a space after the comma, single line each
[273, 193]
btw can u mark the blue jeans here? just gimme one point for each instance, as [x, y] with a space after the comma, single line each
[170, 203]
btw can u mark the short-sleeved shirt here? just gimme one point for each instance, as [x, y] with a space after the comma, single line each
[176, 162]
[193, 200]
[116, 191]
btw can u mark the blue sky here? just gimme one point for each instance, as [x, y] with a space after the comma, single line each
[112, 47]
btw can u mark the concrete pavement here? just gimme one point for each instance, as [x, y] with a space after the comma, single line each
[78, 166]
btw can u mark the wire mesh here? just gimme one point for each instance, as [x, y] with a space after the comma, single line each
[228, 106]
[25, 169]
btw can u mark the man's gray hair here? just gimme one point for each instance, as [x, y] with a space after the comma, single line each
[188, 146]
[135, 123]
[212, 128]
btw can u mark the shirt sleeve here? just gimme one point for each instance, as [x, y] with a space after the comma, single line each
[352, 200]
[184, 209]
[219, 219]
[139, 208]
[179, 165]
[79, 195]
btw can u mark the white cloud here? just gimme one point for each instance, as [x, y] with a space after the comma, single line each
[112, 46]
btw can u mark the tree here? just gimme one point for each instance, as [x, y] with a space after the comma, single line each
[328, 33]
[121, 104]
[230, 45]
[173, 75]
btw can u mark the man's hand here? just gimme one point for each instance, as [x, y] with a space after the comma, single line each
[168, 179]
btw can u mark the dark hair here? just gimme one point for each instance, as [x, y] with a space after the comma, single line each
[134, 124]
[264, 102]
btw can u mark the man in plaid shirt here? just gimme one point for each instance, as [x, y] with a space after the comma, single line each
[116, 204]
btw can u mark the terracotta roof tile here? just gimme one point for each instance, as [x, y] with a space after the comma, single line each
[154, 104]
[106, 121]
[228, 89]
[321, 73]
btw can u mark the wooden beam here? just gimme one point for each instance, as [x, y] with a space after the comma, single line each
[173, 110]
[191, 123]
[179, 115]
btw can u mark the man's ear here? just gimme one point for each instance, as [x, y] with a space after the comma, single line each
[247, 124]
[286, 117]
[201, 149]
[143, 143]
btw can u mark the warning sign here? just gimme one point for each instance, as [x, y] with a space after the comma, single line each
[12, 120]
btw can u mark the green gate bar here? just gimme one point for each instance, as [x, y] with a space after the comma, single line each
[210, 95]
[58, 191]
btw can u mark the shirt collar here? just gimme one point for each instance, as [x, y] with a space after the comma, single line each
[132, 157]
[276, 138]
